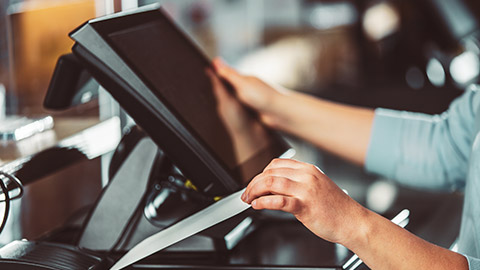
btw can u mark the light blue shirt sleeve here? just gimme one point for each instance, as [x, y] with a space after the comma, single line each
[473, 263]
[424, 151]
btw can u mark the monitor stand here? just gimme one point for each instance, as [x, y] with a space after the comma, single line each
[146, 194]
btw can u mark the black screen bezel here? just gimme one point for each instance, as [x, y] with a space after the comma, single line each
[106, 27]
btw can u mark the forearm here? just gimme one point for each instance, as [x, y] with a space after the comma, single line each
[340, 129]
[384, 245]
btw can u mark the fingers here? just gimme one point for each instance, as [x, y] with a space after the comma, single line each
[267, 184]
[218, 87]
[283, 177]
[294, 164]
[227, 72]
[277, 169]
[218, 63]
[284, 163]
[277, 202]
[250, 90]
[213, 78]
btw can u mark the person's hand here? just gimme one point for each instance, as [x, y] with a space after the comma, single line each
[251, 91]
[229, 108]
[247, 134]
[303, 190]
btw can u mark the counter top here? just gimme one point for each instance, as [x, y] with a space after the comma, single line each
[72, 139]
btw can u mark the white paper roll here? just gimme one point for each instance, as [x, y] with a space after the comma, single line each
[206, 218]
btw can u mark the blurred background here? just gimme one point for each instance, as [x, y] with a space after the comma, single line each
[415, 55]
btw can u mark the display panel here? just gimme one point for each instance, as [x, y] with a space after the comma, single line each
[175, 71]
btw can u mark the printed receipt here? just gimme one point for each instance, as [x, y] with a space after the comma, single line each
[214, 214]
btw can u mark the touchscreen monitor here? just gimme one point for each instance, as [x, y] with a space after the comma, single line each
[174, 71]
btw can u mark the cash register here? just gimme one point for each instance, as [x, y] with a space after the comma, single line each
[183, 154]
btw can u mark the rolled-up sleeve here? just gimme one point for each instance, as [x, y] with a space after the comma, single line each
[424, 151]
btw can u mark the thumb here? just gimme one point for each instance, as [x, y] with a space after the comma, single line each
[227, 72]
[218, 88]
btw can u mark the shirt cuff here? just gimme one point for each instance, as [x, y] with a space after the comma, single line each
[384, 147]
[473, 263]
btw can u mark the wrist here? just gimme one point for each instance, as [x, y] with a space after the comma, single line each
[359, 230]
[276, 113]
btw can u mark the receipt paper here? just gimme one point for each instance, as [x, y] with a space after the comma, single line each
[212, 215]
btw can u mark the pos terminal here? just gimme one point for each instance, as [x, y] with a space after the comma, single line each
[159, 77]
[186, 153]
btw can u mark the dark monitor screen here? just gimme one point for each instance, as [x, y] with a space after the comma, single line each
[175, 70]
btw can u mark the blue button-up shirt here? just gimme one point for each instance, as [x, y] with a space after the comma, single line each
[435, 152]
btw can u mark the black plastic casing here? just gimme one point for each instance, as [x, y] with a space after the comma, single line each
[186, 150]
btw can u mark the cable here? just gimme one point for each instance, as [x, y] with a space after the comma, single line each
[17, 182]
[7, 201]
[7, 198]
